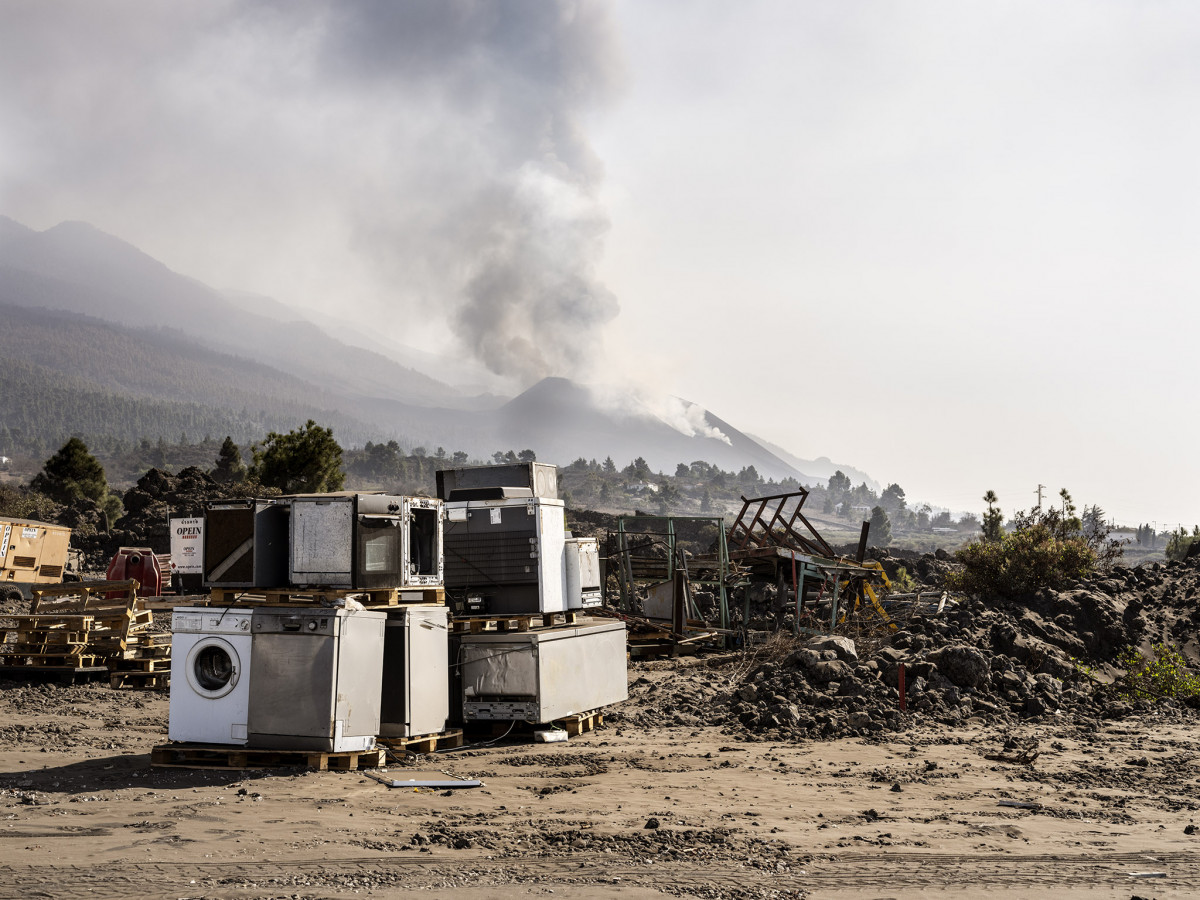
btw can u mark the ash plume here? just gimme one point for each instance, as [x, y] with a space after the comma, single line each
[398, 160]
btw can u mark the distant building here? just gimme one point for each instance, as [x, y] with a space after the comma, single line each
[642, 487]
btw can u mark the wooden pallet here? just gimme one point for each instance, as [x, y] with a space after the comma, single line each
[76, 625]
[582, 722]
[375, 599]
[88, 594]
[141, 664]
[64, 674]
[484, 624]
[53, 660]
[572, 725]
[140, 679]
[425, 743]
[207, 756]
[146, 664]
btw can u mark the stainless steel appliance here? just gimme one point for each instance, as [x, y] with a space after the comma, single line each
[245, 544]
[539, 676]
[416, 689]
[582, 583]
[506, 556]
[317, 679]
[474, 482]
[364, 541]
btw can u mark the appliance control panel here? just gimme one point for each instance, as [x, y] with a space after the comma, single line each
[315, 623]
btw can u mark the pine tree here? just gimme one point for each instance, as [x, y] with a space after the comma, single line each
[230, 467]
[72, 473]
[305, 460]
[993, 519]
[881, 528]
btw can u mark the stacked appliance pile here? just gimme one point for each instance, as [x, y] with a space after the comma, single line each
[335, 679]
[286, 676]
[508, 553]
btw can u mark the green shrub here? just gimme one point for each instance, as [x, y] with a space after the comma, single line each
[903, 583]
[1165, 674]
[1177, 546]
[1044, 549]
[1021, 562]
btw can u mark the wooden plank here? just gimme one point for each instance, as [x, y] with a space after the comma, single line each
[65, 674]
[80, 621]
[70, 588]
[169, 603]
[580, 723]
[425, 743]
[372, 599]
[54, 660]
[143, 680]
[207, 756]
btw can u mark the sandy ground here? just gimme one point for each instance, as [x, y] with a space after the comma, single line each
[1107, 814]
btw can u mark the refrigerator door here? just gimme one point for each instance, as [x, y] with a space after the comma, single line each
[427, 643]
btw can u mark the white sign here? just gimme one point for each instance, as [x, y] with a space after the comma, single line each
[187, 546]
[28, 533]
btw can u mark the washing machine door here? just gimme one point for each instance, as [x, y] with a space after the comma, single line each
[213, 667]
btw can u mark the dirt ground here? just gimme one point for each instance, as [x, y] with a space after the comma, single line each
[1107, 809]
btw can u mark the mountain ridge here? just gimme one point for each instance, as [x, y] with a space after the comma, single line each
[189, 353]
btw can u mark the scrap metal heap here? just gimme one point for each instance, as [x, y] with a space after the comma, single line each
[678, 599]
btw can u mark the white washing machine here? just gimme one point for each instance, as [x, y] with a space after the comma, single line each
[210, 675]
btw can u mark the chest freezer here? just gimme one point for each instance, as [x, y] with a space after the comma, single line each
[540, 676]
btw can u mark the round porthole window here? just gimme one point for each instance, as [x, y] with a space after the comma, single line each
[213, 668]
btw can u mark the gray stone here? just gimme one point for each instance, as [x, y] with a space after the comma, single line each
[842, 647]
[747, 692]
[830, 670]
[965, 666]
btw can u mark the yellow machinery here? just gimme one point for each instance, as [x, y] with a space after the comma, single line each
[863, 594]
[31, 553]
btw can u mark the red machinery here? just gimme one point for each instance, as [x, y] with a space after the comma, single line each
[140, 564]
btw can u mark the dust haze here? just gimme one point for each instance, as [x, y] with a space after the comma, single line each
[420, 166]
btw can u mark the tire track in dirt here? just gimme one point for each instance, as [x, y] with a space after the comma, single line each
[850, 872]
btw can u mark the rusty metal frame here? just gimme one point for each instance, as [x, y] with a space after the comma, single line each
[719, 564]
[768, 527]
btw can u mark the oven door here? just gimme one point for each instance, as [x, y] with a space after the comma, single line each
[380, 552]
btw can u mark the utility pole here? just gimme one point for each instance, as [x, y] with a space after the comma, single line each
[1041, 487]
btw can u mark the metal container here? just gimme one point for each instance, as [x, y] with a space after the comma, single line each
[31, 553]
[540, 479]
[317, 676]
[245, 544]
[582, 558]
[540, 676]
[416, 690]
[509, 553]
[365, 541]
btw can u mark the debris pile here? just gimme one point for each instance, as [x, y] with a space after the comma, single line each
[995, 661]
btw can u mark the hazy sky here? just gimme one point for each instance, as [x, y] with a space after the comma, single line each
[953, 244]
